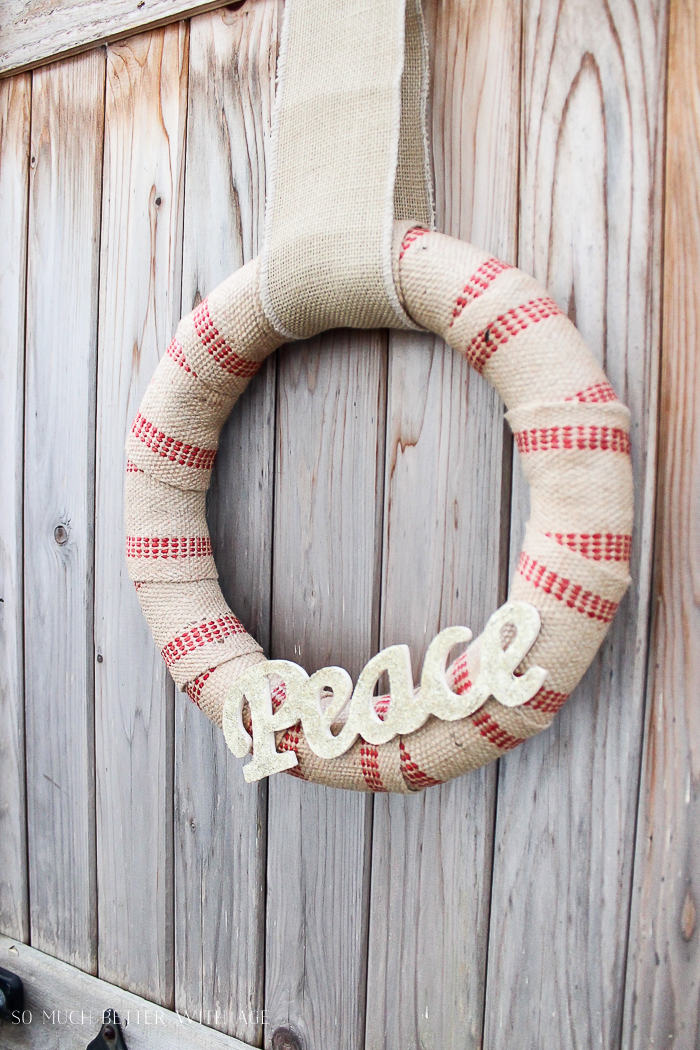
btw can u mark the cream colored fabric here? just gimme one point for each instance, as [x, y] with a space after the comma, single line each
[350, 111]
[573, 436]
[413, 186]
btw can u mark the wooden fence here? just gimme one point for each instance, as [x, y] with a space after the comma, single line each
[545, 901]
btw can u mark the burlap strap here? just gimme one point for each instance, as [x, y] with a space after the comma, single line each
[349, 155]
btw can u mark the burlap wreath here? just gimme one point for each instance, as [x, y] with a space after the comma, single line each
[570, 429]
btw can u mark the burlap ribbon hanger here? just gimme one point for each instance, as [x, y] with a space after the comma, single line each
[349, 156]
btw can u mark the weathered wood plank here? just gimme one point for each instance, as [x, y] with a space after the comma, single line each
[663, 973]
[591, 166]
[325, 588]
[219, 819]
[33, 32]
[67, 1007]
[62, 291]
[15, 112]
[140, 285]
[444, 547]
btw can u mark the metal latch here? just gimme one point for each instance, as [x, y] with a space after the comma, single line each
[11, 995]
[110, 1035]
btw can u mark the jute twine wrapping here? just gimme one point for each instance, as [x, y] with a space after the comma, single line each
[570, 429]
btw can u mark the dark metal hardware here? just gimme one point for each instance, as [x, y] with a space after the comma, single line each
[11, 995]
[110, 1035]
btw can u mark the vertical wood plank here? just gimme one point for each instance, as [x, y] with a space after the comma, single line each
[15, 113]
[62, 292]
[663, 974]
[325, 585]
[140, 284]
[592, 142]
[443, 555]
[219, 819]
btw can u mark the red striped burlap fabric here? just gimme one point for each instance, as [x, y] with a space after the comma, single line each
[570, 429]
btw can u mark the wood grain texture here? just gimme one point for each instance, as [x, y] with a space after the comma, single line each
[15, 113]
[663, 975]
[140, 286]
[591, 182]
[61, 343]
[364, 925]
[67, 1007]
[325, 588]
[220, 820]
[33, 32]
[444, 543]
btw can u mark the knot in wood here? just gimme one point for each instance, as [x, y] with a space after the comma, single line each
[286, 1039]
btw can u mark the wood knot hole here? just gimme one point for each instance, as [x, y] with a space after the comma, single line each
[688, 916]
[60, 534]
[286, 1039]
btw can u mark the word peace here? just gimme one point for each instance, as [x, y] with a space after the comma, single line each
[408, 708]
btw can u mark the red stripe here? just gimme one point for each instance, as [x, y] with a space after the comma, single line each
[278, 694]
[461, 681]
[492, 731]
[177, 354]
[478, 283]
[215, 345]
[369, 762]
[572, 594]
[547, 700]
[597, 394]
[381, 706]
[204, 633]
[195, 687]
[168, 546]
[290, 742]
[412, 773]
[171, 448]
[581, 438]
[410, 238]
[505, 327]
[597, 546]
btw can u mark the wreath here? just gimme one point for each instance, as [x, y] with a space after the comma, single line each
[572, 433]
